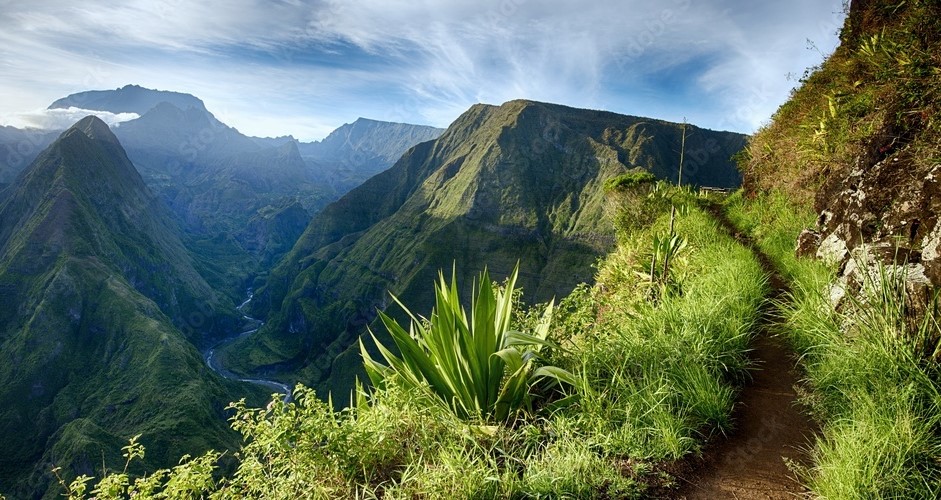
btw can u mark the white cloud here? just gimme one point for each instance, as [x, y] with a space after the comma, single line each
[61, 119]
[570, 52]
[419, 61]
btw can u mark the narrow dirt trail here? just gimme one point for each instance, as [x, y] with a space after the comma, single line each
[771, 429]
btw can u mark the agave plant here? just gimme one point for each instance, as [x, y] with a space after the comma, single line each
[474, 363]
[659, 273]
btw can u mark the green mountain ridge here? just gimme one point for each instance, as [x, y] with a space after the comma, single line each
[77, 181]
[522, 181]
[99, 345]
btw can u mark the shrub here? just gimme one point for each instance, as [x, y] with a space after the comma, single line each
[475, 364]
[629, 180]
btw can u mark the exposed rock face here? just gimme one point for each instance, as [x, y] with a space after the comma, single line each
[881, 194]
[886, 212]
[807, 243]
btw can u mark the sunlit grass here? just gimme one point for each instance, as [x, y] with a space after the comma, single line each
[873, 381]
[648, 378]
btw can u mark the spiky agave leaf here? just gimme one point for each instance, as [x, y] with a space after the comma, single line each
[474, 364]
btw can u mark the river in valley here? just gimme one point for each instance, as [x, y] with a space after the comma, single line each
[214, 364]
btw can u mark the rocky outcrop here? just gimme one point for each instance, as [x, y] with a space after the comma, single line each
[873, 159]
[884, 213]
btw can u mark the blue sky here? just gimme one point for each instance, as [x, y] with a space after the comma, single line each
[278, 67]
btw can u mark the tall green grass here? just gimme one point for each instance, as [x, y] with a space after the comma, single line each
[662, 375]
[871, 369]
[654, 376]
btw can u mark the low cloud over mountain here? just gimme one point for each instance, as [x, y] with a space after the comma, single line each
[61, 119]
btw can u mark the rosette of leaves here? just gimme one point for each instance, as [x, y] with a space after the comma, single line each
[474, 363]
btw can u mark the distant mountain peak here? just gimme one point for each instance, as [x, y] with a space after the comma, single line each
[289, 148]
[127, 99]
[169, 110]
[95, 129]
[370, 138]
[91, 160]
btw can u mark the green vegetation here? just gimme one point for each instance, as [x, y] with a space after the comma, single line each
[871, 368]
[633, 202]
[476, 365]
[867, 119]
[94, 349]
[653, 379]
[521, 182]
[629, 180]
[661, 371]
[876, 390]
[652, 354]
[874, 97]
[774, 221]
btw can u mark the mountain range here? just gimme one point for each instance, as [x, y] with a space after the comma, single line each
[518, 182]
[124, 251]
[217, 180]
[119, 266]
[103, 311]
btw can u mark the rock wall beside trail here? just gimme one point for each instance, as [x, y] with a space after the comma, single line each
[888, 210]
[860, 142]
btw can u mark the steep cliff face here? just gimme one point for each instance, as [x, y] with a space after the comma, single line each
[861, 140]
[359, 150]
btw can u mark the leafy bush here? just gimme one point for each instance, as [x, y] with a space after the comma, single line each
[629, 180]
[474, 363]
[666, 251]
[634, 201]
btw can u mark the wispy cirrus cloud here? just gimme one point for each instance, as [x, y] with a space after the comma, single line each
[305, 67]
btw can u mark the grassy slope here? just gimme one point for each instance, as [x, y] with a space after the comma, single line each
[875, 95]
[659, 375]
[871, 363]
[872, 387]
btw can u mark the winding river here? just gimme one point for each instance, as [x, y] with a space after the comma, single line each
[215, 365]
